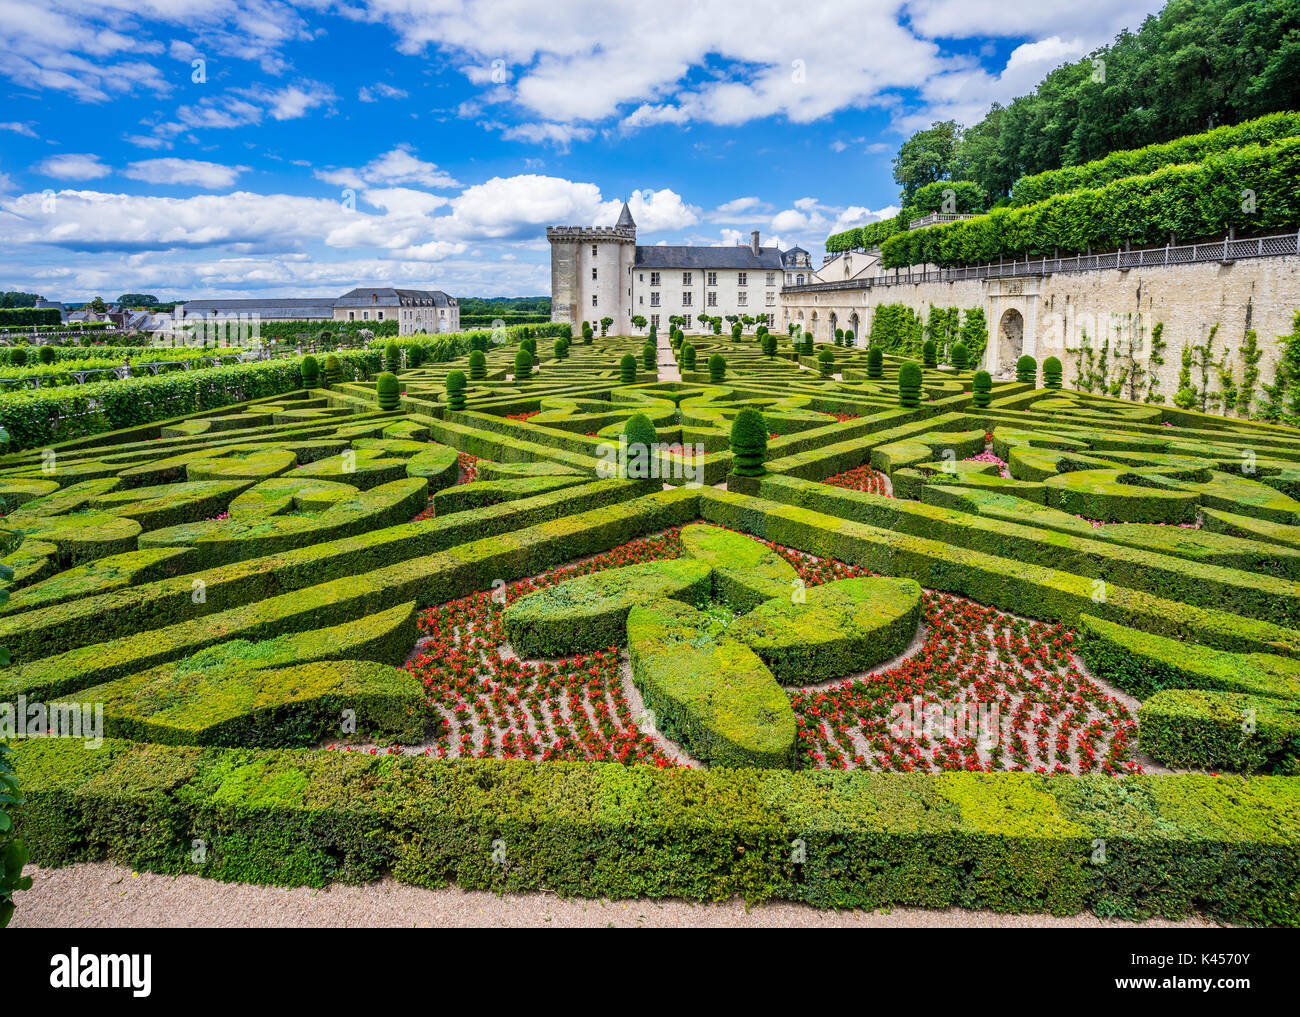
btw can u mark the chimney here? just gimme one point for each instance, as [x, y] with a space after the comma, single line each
[753, 242]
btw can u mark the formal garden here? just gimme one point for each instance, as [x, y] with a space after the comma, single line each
[719, 617]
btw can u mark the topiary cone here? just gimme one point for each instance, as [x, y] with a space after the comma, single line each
[875, 363]
[748, 443]
[1051, 373]
[387, 391]
[960, 356]
[688, 356]
[333, 370]
[910, 377]
[826, 363]
[477, 365]
[929, 355]
[523, 364]
[717, 368]
[982, 388]
[627, 370]
[392, 357]
[455, 390]
[1027, 370]
[310, 372]
[649, 357]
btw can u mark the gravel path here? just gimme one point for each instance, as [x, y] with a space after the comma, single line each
[106, 895]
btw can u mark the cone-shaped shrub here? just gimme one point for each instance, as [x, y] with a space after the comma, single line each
[46, 354]
[310, 372]
[386, 390]
[639, 435]
[717, 368]
[736, 330]
[875, 363]
[586, 333]
[748, 443]
[826, 363]
[333, 370]
[769, 345]
[479, 342]
[1027, 370]
[523, 364]
[392, 357]
[455, 390]
[649, 356]
[558, 347]
[477, 365]
[1051, 373]
[929, 355]
[688, 356]
[983, 388]
[909, 384]
[960, 356]
[627, 369]
[849, 337]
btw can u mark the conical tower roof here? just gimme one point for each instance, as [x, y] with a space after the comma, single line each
[625, 221]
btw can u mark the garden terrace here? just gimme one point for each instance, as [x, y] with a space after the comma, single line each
[944, 647]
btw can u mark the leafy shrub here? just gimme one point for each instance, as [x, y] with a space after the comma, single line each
[769, 344]
[960, 356]
[477, 365]
[748, 443]
[387, 392]
[909, 384]
[826, 363]
[333, 370]
[18, 356]
[982, 388]
[310, 372]
[627, 369]
[717, 368]
[523, 364]
[688, 355]
[392, 357]
[875, 362]
[929, 355]
[46, 354]
[649, 357]
[13, 856]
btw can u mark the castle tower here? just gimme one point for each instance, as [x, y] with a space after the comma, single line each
[591, 273]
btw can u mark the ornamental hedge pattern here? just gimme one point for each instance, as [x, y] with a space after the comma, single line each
[890, 636]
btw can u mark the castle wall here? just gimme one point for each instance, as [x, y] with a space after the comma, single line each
[1042, 316]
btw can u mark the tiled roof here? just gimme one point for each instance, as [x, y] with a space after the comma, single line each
[687, 257]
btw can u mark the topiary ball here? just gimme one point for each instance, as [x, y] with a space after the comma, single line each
[688, 356]
[736, 330]
[387, 391]
[983, 388]
[1052, 373]
[477, 365]
[523, 364]
[1027, 370]
[960, 356]
[929, 354]
[392, 357]
[627, 370]
[46, 354]
[909, 384]
[558, 349]
[18, 356]
[826, 363]
[769, 344]
[639, 435]
[717, 368]
[849, 337]
[586, 333]
[875, 363]
[649, 357]
[310, 372]
[748, 443]
[456, 390]
[333, 370]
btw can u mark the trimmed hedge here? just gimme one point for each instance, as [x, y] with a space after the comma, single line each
[746, 572]
[709, 692]
[1009, 842]
[1221, 731]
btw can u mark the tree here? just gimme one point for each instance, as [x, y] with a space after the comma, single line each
[98, 306]
[137, 300]
[925, 157]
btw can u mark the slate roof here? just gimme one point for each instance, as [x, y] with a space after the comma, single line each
[269, 307]
[687, 257]
[625, 221]
[391, 297]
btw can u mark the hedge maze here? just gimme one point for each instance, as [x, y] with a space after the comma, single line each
[531, 628]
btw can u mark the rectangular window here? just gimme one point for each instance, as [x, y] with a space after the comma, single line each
[771, 278]
[712, 279]
[654, 278]
[593, 250]
[640, 300]
[742, 298]
[593, 301]
[742, 278]
[352, 315]
[686, 279]
[640, 276]
[713, 298]
[654, 320]
[379, 316]
[771, 299]
[365, 315]
[686, 298]
[654, 299]
[593, 271]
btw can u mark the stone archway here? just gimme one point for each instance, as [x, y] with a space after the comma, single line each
[853, 327]
[1011, 339]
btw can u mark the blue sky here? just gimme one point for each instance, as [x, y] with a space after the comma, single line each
[202, 148]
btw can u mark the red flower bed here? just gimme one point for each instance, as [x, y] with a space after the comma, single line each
[1023, 675]
[864, 478]
[468, 474]
[522, 416]
[841, 417]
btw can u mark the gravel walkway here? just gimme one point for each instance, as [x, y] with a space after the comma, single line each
[105, 895]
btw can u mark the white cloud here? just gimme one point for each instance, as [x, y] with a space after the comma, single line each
[241, 107]
[82, 166]
[397, 166]
[380, 90]
[653, 211]
[23, 129]
[559, 135]
[523, 205]
[210, 175]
